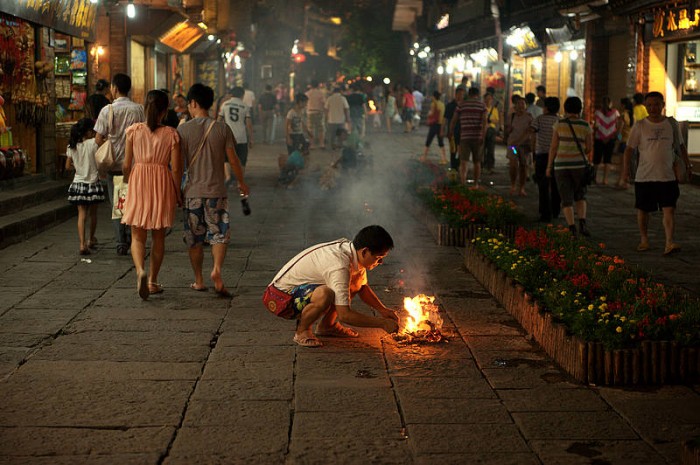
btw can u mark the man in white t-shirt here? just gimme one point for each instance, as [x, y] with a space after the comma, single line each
[660, 145]
[337, 115]
[314, 111]
[323, 279]
[237, 116]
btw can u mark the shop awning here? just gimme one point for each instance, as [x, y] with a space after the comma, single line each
[182, 36]
[469, 36]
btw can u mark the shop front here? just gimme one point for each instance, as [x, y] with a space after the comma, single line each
[566, 69]
[43, 81]
[526, 61]
[674, 66]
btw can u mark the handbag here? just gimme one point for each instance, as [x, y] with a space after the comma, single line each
[278, 301]
[121, 188]
[680, 170]
[589, 170]
[186, 174]
[104, 157]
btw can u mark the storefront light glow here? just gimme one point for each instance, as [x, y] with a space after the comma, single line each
[440, 70]
[131, 9]
[573, 55]
[426, 49]
[369, 78]
[422, 55]
[386, 81]
[558, 57]
[450, 69]
[93, 1]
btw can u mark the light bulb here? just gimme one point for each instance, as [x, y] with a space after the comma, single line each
[558, 57]
[131, 10]
[386, 80]
[573, 55]
[440, 69]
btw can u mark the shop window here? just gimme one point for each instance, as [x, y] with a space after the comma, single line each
[691, 71]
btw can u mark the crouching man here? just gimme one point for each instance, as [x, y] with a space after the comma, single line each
[323, 279]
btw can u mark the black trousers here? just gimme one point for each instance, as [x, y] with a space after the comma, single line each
[550, 202]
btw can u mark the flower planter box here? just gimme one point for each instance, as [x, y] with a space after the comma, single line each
[652, 363]
[691, 453]
[447, 235]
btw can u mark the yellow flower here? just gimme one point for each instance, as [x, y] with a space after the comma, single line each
[603, 298]
[623, 319]
[563, 293]
[618, 329]
[591, 307]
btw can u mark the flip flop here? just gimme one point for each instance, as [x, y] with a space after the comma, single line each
[158, 288]
[337, 330]
[643, 247]
[224, 293]
[194, 287]
[142, 285]
[307, 341]
[671, 249]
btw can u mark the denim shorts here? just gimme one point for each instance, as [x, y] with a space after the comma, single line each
[206, 220]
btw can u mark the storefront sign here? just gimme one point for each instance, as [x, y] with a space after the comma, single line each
[688, 113]
[74, 17]
[674, 22]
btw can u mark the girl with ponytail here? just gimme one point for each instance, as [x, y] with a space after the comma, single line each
[86, 190]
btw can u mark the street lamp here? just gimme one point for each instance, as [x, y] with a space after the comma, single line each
[131, 9]
[386, 81]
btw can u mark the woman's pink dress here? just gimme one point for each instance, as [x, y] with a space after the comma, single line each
[151, 198]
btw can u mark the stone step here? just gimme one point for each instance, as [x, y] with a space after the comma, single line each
[32, 194]
[26, 180]
[28, 222]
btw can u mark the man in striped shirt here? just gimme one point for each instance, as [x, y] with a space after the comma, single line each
[471, 114]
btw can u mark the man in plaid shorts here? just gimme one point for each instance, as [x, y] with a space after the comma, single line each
[206, 145]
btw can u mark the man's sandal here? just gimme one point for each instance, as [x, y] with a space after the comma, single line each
[155, 288]
[307, 341]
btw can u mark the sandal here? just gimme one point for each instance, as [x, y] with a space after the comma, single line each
[643, 247]
[194, 287]
[142, 285]
[337, 330]
[672, 248]
[84, 252]
[307, 341]
[155, 288]
[92, 243]
[224, 293]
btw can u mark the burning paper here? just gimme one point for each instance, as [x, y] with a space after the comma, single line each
[423, 323]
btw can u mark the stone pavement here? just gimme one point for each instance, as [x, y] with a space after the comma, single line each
[93, 375]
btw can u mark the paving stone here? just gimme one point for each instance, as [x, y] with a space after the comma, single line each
[206, 326]
[414, 390]
[85, 459]
[249, 372]
[242, 389]
[159, 314]
[13, 355]
[480, 344]
[347, 423]
[84, 402]
[524, 377]
[332, 396]
[278, 354]
[447, 411]
[32, 325]
[421, 367]
[349, 451]
[16, 442]
[256, 338]
[251, 414]
[34, 371]
[22, 340]
[479, 458]
[246, 457]
[464, 438]
[238, 440]
[573, 425]
[551, 398]
[51, 296]
[11, 296]
[584, 452]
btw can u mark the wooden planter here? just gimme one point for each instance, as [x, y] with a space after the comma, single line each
[447, 235]
[691, 453]
[653, 362]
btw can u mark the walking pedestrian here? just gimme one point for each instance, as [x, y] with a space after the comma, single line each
[323, 279]
[626, 121]
[390, 110]
[357, 101]
[86, 190]
[471, 116]
[237, 115]
[542, 130]
[436, 121]
[660, 144]
[418, 99]
[409, 109]
[493, 123]
[206, 145]
[639, 110]
[607, 127]
[337, 116]
[111, 124]
[97, 101]
[249, 99]
[541, 95]
[453, 130]
[267, 104]
[567, 163]
[181, 109]
[315, 111]
[153, 167]
[519, 150]
[296, 129]
[531, 107]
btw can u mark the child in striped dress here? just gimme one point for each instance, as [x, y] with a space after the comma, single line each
[86, 190]
[607, 126]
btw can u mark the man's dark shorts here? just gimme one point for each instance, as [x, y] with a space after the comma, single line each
[653, 196]
[301, 296]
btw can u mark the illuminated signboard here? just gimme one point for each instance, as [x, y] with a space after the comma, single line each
[674, 22]
[75, 17]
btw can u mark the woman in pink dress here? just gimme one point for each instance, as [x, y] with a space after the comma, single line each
[153, 166]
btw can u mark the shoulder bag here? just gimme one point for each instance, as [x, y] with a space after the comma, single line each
[681, 171]
[589, 170]
[104, 157]
[186, 174]
[278, 301]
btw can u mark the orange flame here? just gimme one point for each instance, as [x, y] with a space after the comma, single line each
[423, 314]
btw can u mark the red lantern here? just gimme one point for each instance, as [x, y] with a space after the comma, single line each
[299, 57]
